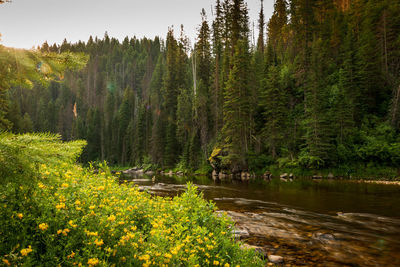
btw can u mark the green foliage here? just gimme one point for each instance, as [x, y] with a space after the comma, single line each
[68, 215]
[380, 145]
[23, 67]
[237, 110]
[300, 97]
[20, 155]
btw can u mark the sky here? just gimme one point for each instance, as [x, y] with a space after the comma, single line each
[28, 23]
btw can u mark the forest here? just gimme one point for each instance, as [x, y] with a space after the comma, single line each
[318, 87]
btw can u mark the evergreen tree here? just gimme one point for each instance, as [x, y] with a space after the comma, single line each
[275, 111]
[202, 90]
[170, 92]
[236, 109]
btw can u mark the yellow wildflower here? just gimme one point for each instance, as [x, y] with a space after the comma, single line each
[92, 207]
[77, 202]
[26, 251]
[93, 261]
[65, 231]
[43, 226]
[60, 206]
[99, 242]
[91, 233]
[71, 223]
[111, 218]
[144, 257]
[20, 215]
[70, 256]
[59, 231]
[6, 262]
[65, 185]
[226, 265]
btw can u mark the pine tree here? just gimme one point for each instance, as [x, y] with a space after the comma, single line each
[170, 92]
[203, 75]
[261, 25]
[275, 111]
[318, 137]
[217, 29]
[236, 109]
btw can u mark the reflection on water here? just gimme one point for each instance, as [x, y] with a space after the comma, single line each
[326, 223]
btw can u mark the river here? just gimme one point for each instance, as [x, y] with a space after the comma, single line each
[307, 222]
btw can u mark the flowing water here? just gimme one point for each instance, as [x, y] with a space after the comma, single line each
[308, 223]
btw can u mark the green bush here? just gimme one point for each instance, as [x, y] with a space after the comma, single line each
[66, 215]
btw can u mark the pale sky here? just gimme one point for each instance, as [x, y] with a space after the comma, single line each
[28, 23]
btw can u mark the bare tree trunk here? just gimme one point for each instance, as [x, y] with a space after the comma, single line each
[395, 105]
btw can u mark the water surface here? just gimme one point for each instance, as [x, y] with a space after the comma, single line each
[320, 223]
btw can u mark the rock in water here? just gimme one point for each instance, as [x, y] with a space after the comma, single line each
[240, 233]
[149, 173]
[324, 237]
[275, 259]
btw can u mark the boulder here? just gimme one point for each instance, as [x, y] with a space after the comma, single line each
[267, 175]
[284, 176]
[244, 176]
[180, 173]
[331, 176]
[149, 173]
[324, 237]
[129, 171]
[275, 259]
[214, 175]
[240, 233]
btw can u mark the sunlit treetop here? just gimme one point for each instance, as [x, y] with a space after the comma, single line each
[23, 67]
[20, 67]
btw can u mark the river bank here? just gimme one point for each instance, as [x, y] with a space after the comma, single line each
[246, 176]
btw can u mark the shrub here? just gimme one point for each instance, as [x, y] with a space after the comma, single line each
[67, 215]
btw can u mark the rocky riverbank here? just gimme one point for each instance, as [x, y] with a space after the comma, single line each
[246, 176]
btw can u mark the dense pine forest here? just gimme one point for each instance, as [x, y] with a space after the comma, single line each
[317, 87]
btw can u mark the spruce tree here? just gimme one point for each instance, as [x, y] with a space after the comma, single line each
[236, 109]
[170, 92]
[203, 75]
[274, 101]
